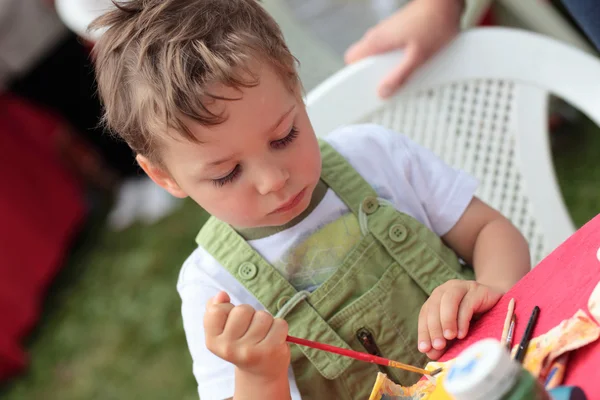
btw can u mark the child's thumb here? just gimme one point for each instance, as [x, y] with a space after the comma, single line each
[490, 299]
[220, 298]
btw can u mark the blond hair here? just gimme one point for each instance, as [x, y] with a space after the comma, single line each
[158, 59]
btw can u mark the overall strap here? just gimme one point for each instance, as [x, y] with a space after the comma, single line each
[273, 291]
[420, 252]
[343, 179]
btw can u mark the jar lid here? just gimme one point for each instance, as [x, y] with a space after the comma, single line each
[484, 371]
[567, 393]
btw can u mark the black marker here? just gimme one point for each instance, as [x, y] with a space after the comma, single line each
[527, 335]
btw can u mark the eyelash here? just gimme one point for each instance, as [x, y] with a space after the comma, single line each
[277, 144]
[229, 178]
[281, 143]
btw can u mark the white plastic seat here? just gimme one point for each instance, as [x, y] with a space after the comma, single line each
[481, 105]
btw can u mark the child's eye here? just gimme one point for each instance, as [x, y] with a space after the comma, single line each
[229, 178]
[281, 143]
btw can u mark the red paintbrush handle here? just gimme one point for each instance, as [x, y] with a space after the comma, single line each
[357, 355]
[338, 350]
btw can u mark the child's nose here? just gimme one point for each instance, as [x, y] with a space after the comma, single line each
[272, 178]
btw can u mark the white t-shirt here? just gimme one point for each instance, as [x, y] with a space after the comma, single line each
[414, 180]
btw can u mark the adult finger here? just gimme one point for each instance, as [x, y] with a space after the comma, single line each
[411, 60]
[370, 44]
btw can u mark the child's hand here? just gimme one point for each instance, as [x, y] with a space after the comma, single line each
[411, 29]
[447, 313]
[253, 341]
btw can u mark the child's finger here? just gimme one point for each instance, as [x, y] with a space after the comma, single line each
[449, 313]
[220, 298]
[488, 299]
[434, 324]
[465, 312]
[475, 301]
[423, 330]
[216, 317]
[435, 354]
[238, 322]
[259, 327]
[278, 333]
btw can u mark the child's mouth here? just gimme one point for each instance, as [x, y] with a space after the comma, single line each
[291, 204]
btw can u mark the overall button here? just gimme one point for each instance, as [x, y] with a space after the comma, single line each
[282, 302]
[398, 233]
[247, 271]
[370, 205]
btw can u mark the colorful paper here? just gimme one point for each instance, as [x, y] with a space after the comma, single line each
[569, 335]
[546, 358]
[594, 302]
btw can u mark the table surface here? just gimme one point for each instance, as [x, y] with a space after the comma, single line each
[560, 285]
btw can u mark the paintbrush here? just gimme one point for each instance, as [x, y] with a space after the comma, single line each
[507, 321]
[357, 355]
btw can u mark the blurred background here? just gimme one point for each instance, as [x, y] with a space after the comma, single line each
[90, 250]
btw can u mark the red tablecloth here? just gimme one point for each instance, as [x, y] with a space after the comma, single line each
[560, 285]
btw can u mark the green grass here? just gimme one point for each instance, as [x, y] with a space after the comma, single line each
[112, 326]
[577, 164]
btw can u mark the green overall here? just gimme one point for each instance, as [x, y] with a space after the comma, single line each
[371, 303]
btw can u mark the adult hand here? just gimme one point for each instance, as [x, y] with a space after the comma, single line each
[421, 28]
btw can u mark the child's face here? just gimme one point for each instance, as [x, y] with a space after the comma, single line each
[258, 168]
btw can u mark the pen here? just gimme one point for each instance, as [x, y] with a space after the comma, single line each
[527, 335]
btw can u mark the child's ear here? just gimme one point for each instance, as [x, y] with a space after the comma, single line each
[161, 177]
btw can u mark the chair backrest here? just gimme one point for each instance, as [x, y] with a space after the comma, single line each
[78, 14]
[481, 105]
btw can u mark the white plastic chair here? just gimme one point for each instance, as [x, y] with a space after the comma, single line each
[481, 105]
[78, 14]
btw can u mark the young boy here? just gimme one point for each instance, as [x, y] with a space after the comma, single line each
[353, 241]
